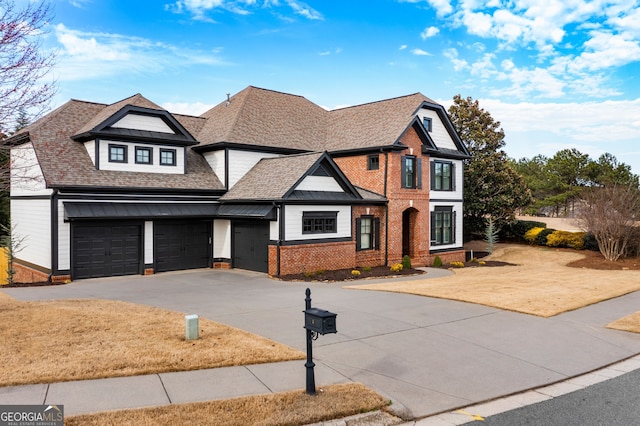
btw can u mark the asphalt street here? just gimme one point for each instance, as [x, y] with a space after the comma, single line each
[614, 402]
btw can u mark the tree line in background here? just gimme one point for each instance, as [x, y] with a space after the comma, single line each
[603, 194]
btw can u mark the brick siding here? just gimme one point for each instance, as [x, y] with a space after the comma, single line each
[312, 257]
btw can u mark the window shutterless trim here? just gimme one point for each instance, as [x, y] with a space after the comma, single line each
[141, 149]
[319, 222]
[173, 157]
[373, 162]
[112, 148]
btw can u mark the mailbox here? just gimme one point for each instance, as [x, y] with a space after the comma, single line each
[320, 321]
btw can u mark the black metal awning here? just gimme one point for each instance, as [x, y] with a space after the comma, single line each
[248, 211]
[102, 210]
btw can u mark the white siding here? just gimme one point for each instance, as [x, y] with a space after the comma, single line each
[143, 122]
[293, 219]
[240, 162]
[274, 229]
[216, 162]
[131, 166]
[64, 240]
[148, 242]
[438, 133]
[31, 222]
[91, 150]
[459, 184]
[222, 239]
[457, 207]
[319, 183]
[26, 175]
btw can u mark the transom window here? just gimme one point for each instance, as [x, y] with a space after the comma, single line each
[167, 157]
[373, 162]
[443, 226]
[143, 155]
[442, 176]
[117, 153]
[319, 222]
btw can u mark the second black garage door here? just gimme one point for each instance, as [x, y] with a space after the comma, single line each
[251, 245]
[104, 249]
[182, 245]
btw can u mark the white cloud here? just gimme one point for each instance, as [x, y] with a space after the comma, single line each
[420, 52]
[429, 32]
[458, 64]
[85, 55]
[442, 7]
[591, 127]
[199, 8]
[404, 46]
[195, 108]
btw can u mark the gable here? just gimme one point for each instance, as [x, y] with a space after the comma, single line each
[140, 124]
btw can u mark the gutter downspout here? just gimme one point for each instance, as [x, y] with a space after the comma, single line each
[280, 217]
[386, 220]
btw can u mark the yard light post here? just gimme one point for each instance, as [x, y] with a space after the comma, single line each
[316, 321]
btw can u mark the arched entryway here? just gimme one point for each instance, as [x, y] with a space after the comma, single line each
[409, 221]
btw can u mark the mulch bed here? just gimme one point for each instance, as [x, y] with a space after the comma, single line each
[346, 275]
[595, 260]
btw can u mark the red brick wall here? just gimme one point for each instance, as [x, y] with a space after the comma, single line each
[295, 259]
[400, 199]
[452, 256]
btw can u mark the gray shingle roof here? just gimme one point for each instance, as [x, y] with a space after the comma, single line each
[65, 162]
[271, 178]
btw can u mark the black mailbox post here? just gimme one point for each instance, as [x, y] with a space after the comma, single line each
[316, 321]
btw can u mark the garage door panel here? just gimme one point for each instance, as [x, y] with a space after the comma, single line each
[182, 245]
[251, 245]
[105, 249]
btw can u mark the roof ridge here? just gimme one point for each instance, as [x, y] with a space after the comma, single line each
[378, 101]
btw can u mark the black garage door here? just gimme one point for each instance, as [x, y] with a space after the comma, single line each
[251, 245]
[103, 249]
[182, 245]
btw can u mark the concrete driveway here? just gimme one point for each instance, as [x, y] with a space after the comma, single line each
[427, 355]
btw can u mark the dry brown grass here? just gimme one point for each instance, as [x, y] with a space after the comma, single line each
[287, 408]
[629, 323]
[541, 283]
[44, 342]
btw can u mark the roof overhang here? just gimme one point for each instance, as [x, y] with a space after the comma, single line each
[98, 210]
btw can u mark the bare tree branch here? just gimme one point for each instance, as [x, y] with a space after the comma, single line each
[23, 65]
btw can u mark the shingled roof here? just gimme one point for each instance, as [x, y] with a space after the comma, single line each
[266, 118]
[273, 119]
[66, 163]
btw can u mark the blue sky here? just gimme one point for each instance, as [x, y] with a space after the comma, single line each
[556, 73]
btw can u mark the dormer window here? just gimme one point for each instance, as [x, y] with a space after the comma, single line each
[428, 124]
[117, 153]
[167, 157]
[144, 155]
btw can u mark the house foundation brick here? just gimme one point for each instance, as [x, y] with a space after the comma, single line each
[60, 279]
[447, 257]
[149, 271]
[25, 274]
[221, 265]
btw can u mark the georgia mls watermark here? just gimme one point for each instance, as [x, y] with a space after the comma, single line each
[31, 415]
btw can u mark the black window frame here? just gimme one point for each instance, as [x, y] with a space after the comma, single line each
[438, 216]
[373, 162]
[428, 123]
[174, 155]
[320, 222]
[141, 149]
[125, 151]
[374, 232]
[413, 181]
[438, 180]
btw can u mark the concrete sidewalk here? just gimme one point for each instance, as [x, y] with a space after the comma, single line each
[89, 396]
[426, 355]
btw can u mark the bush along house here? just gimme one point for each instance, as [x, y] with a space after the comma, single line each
[264, 181]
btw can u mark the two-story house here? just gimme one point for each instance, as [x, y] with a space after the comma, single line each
[265, 181]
